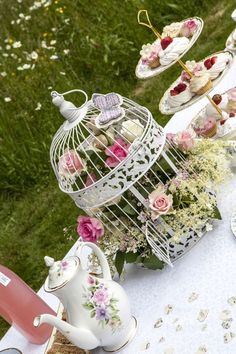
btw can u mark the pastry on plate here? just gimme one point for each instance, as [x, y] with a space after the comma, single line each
[188, 28]
[171, 48]
[179, 94]
[172, 30]
[216, 64]
[205, 126]
[149, 54]
[200, 83]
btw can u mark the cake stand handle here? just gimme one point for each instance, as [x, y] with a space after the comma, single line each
[148, 23]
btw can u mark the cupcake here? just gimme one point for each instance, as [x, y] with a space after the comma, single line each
[221, 101]
[172, 30]
[179, 94]
[231, 107]
[149, 55]
[216, 64]
[171, 48]
[205, 127]
[193, 67]
[188, 28]
[200, 83]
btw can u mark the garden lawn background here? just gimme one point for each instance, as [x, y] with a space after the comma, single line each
[97, 48]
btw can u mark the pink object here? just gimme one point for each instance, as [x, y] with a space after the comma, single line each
[19, 306]
[170, 137]
[91, 179]
[186, 77]
[188, 28]
[207, 127]
[160, 203]
[184, 140]
[90, 229]
[70, 163]
[116, 152]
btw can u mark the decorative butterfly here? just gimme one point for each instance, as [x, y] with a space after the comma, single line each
[109, 105]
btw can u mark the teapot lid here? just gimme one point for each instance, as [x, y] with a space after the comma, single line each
[60, 272]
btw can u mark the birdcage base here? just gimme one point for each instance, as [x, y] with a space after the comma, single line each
[178, 250]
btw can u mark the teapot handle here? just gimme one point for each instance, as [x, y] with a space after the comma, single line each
[102, 259]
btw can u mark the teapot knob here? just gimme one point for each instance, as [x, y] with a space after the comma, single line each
[49, 261]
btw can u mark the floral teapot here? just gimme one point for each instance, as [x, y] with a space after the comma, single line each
[98, 310]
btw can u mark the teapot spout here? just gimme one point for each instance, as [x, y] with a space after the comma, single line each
[81, 337]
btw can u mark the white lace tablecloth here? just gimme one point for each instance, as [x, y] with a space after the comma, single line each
[209, 270]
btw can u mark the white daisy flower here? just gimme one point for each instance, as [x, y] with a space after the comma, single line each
[16, 44]
[38, 106]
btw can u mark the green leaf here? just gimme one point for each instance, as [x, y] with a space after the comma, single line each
[152, 262]
[119, 261]
[216, 213]
[88, 306]
[92, 314]
[131, 257]
[129, 210]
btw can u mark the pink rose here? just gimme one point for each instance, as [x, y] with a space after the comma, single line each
[232, 94]
[116, 152]
[170, 137]
[188, 28]
[101, 297]
[159, 202]
[184, 140]
[70, 163]
[90, 229]
[91, 178]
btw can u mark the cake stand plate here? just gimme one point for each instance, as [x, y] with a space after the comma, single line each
[144, 71]
[164, 106]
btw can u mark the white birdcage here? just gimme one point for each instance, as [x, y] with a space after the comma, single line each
[89, 169]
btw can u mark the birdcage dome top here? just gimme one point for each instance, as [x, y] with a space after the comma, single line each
[103, 147]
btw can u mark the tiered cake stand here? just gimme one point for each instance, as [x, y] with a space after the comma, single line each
[144, 72]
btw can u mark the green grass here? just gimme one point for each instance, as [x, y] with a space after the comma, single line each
[104, 42]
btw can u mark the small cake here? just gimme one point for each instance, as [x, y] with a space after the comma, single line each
[221, 101]
[216, 64]
[188, 28]
[149, 54]
[205, 127]
[200, 83]
[193, 67]
[231, 107]
[179, 94]
[172, 30]
[171, 48]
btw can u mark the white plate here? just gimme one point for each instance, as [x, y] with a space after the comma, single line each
[144, 71]
[164, 106]
[230, 42]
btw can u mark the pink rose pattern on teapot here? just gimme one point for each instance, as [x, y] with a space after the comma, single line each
[101, 305]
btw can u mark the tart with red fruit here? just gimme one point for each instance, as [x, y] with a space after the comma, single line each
[216, 64]
[179, 94]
